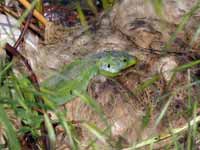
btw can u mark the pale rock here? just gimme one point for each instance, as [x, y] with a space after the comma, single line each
[166, 66]
[10, 32]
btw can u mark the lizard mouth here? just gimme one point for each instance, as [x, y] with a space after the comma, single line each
[132, 62]
[119, 72]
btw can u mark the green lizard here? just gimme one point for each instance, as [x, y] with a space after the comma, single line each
[77, 75]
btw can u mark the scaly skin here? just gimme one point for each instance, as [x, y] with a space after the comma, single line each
[77, 75]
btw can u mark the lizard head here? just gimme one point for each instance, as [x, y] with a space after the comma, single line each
[111, 63]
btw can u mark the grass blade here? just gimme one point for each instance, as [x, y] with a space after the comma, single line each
[95, 131]
[69, 130]
[10, 133]
[163, 111]
[82, 17]
[50, 130]
[92, 103]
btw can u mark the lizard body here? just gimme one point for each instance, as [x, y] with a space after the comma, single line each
[77, 75]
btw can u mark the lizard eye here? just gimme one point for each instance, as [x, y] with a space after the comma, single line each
[124, 60]
[70, 92]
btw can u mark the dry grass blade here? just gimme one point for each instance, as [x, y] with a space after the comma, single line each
[162, 137]
[162, 113]
[94, 130]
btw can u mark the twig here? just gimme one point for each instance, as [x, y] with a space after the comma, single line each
[21, 37]
[13, 52]
[6, 10]
[35, 12]
[164, 51]
[159, 52]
